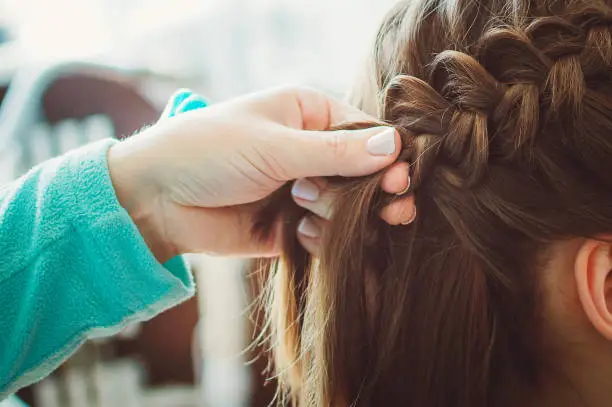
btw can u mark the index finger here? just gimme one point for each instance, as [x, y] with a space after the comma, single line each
[303, 108]
[320, 111]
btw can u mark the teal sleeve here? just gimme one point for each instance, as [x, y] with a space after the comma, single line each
[72, 266]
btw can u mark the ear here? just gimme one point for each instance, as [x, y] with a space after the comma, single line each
[593, 274]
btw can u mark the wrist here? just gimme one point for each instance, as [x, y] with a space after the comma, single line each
[138, 195]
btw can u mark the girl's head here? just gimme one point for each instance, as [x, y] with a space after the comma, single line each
[500, 293]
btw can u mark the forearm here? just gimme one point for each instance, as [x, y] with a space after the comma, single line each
[74, 265]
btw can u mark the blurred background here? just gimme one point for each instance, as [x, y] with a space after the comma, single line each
[73, 71]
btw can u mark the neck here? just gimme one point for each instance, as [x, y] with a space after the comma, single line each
[580, 375]
[579, 358]
[584, 381]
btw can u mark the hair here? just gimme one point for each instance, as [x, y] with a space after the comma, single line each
[505, 113]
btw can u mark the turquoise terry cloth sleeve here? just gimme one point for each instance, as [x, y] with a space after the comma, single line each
[182, 101]
[12, 402]
[72, 263]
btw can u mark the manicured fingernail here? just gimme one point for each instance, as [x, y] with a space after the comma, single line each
[309, 228]
[411, 219]
[405, 189]
[382, 143]
[304, 189]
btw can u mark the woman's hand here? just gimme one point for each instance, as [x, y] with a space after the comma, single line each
[192, 182]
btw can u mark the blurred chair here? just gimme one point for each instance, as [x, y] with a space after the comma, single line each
[70, 91]
[47, 110]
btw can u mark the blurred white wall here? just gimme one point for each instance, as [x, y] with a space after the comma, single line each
[226, 47]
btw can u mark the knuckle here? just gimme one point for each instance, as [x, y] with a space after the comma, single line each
[338, 142]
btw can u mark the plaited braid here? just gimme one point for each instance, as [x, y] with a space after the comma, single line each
[465, 96]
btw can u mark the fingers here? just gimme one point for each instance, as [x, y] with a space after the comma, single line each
[309, 233]
[303, 147]
[312, 227]
[396, 179]
[347, 153]
[313, 194]
[301, 108]
[400, 212]
[307, 150]
[320, 112]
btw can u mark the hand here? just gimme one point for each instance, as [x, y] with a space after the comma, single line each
[313, 194]
[192, 183]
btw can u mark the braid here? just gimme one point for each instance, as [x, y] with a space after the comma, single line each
[518, 80]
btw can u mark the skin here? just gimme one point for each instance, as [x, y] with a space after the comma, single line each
[577, 330]
[193, 182]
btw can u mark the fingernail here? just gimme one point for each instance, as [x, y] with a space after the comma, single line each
[382, 143]
[304, 189]
[411, 219]
[308, 228]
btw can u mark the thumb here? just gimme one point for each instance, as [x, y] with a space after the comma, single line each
[347, 153]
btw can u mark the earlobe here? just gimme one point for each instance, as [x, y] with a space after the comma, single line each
[593, 275]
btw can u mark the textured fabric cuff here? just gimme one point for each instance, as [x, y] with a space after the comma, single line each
[112, 237]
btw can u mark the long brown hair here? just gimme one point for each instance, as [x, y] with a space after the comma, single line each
[505, 111]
